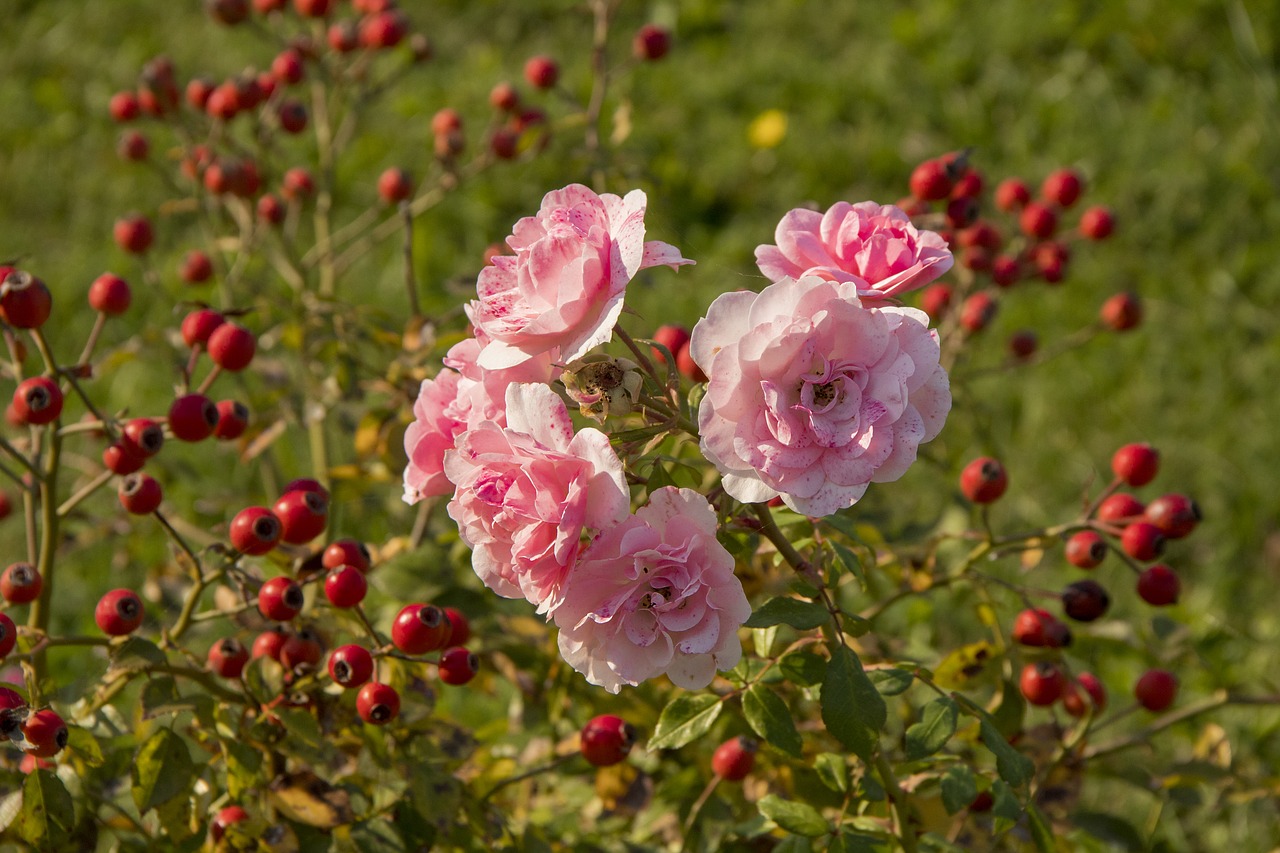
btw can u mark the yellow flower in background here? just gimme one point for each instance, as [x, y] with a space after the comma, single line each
[768, 129]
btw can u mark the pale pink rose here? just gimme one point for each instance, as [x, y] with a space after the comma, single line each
[459, 397]
[527, 492]
[562, 290]
[875, 245]
[813, 395]
[654, 594]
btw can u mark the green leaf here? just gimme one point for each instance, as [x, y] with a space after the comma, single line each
[855, 842]
[1013, 767]
[784, 610]
[937, 725]
[1006, 809]
[959, 787]
[163, 770]
[243, 763]
[1040, 831]
[175, 816]
[798, 818]
[82, 743]
[851, 562]
[803, 668]
[891, 682]
[685, 719]
[136, 653]
[47, 814]
[833, 771]
[376, 836]
[763, 639]
[1111, 829]
[852, 708]
[770, 718]
[1011, 711]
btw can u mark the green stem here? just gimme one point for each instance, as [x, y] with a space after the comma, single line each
[904, 817]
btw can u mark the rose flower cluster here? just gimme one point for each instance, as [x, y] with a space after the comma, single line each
[818, 385]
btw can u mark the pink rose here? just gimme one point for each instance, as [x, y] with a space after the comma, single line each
[654, 594]
[873, 244]
[562, 291]
[813, 395]
[459, 397]
[526, 493]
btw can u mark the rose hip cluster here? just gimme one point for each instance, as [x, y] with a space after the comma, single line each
[1007, 236]
[1116, 518]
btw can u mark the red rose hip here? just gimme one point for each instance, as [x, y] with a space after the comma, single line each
[606, 740]
[983, 480]
[280, 599]
[1156, 689]
[119, 612]
[734, 759]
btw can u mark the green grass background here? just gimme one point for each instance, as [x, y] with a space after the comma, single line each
[1168, 108]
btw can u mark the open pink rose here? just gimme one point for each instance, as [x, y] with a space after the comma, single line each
[459, 397]
[654, 594]
[875, 245]
[813, 395]
[562, 291]
[526, 493]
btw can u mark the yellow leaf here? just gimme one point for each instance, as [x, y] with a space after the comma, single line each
[768, 129]
[967, 663]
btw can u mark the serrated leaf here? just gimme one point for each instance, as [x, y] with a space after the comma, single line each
[852, 709]
[158, 693]
[136, 653]
[803, 668]
[959, 787]
[685, 719]
[891, 682]
[784, 610]
[937, 725]
[770, 718]
[851, 562]
[1005, 808]
[1013, 767]
[833, 771]
[162, 770]
[47, 814]
[798, 818]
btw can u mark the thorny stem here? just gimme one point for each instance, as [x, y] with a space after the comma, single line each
[696, 809]
[1219, 699]
[85, 491]
[410, 286]
[92, 341]
[39, 615]
[528, 774]
[904, 816]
